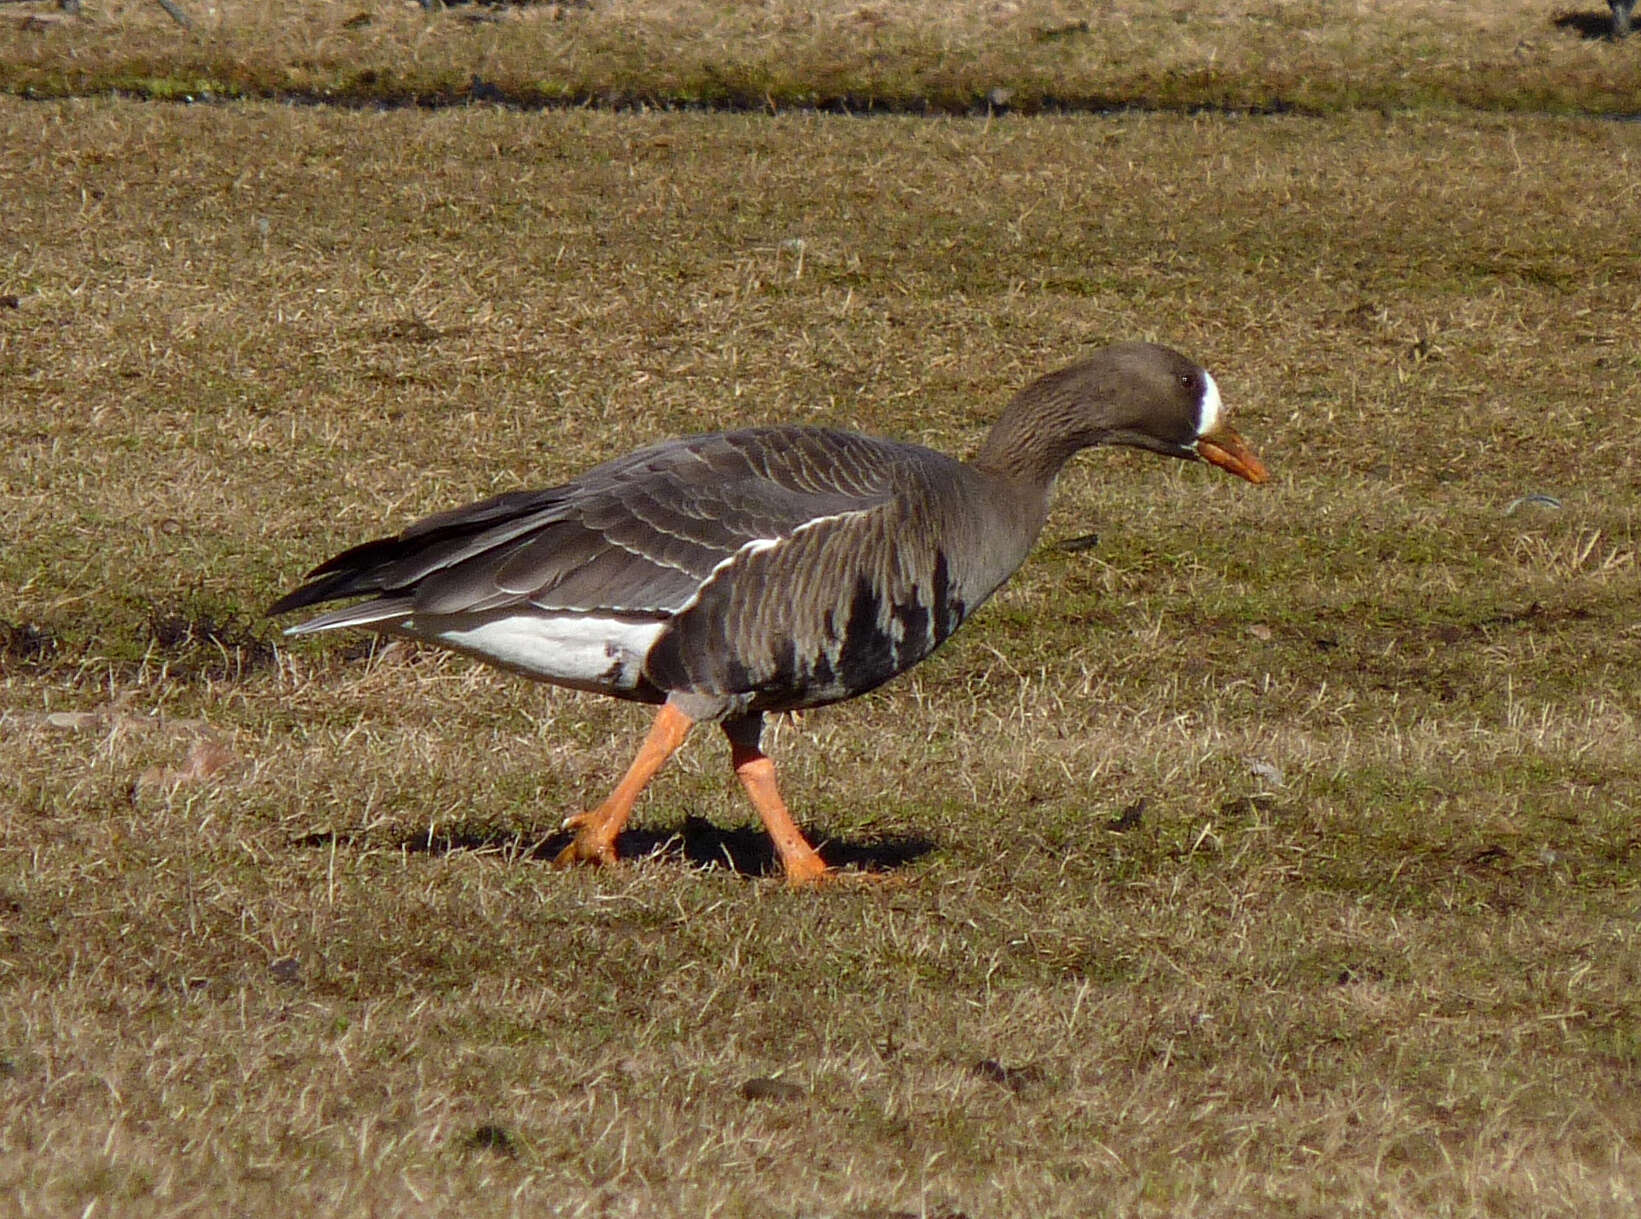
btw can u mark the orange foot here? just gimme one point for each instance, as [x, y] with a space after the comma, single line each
[594, 841]
[596, 830]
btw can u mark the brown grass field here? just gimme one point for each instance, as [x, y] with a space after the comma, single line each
[277, 931]
[956, 56]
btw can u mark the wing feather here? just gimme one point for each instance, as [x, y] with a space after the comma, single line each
[640, 534]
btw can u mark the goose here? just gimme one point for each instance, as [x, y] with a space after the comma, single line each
[727, 576]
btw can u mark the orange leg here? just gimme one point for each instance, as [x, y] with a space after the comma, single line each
[757, 774]
[596, 829]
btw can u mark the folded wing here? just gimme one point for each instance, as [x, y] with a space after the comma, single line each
[636, 536]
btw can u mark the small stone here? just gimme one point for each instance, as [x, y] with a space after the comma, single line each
[205, 759]
[1129, 819]
[764, 1088]
[1015, 1079]
[1534, 501]
[492, 1138]
[1261, 769]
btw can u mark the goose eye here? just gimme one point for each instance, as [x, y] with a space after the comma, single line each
[1187, 380]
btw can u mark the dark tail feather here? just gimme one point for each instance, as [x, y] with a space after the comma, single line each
[353, 573]
[395, 564]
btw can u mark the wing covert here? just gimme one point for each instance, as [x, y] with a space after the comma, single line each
[639, 534]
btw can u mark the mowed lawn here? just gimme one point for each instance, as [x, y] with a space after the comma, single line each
[955, 57]
[1273, 854]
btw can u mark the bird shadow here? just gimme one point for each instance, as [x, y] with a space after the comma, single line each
[1588, 25]
[695, 841]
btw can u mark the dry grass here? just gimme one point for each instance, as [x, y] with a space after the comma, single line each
[275, 927]
[953, 57]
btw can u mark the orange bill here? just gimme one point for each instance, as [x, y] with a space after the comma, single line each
[1224, 448]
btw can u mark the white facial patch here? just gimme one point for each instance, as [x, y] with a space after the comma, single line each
[1209, 408]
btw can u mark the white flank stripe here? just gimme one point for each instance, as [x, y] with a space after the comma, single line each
[368, 614]
[758, 545]
[572, 650]
[1209, 410]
